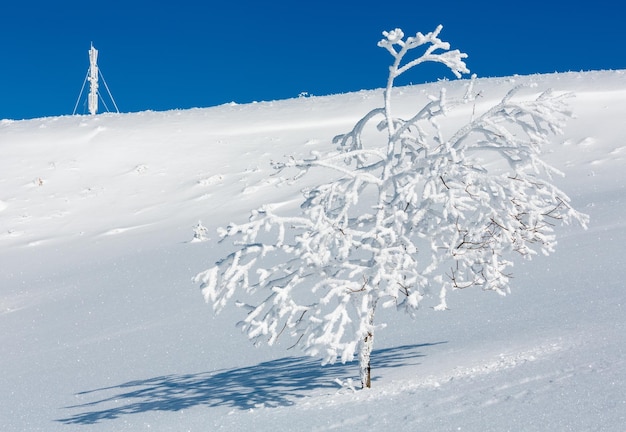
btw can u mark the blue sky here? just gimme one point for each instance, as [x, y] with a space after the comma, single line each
[160, 55]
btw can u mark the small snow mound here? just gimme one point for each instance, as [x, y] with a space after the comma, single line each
[141, 168]
[209, 181]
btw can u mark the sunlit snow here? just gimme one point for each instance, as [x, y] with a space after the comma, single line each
[102, 328]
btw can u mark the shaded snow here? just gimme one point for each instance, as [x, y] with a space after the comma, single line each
[101, 327]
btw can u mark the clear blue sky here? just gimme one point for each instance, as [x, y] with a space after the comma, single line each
[162, 55]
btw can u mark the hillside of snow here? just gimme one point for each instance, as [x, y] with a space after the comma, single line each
[102, 328]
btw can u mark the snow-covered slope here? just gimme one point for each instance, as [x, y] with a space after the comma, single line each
[101, 327]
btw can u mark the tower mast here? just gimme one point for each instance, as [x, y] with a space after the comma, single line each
[93, 74]
[93, 80]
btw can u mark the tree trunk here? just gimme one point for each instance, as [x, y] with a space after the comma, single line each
[365, 350]
[364, 361]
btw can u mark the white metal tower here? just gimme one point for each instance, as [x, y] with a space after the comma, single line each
[93, 74]
[93, 80]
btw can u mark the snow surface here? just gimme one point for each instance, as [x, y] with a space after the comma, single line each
[101, 327]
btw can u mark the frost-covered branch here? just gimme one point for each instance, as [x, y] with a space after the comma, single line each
[452, 59]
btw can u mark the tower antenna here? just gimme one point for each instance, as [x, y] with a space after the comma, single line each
[93, 80]
[93, 74]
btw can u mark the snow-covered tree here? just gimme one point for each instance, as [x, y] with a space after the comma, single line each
[200, 232]
[409, 213]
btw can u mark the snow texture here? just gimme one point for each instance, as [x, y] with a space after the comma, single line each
[102, 328]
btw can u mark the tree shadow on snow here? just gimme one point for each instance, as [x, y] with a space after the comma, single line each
[271, 384]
